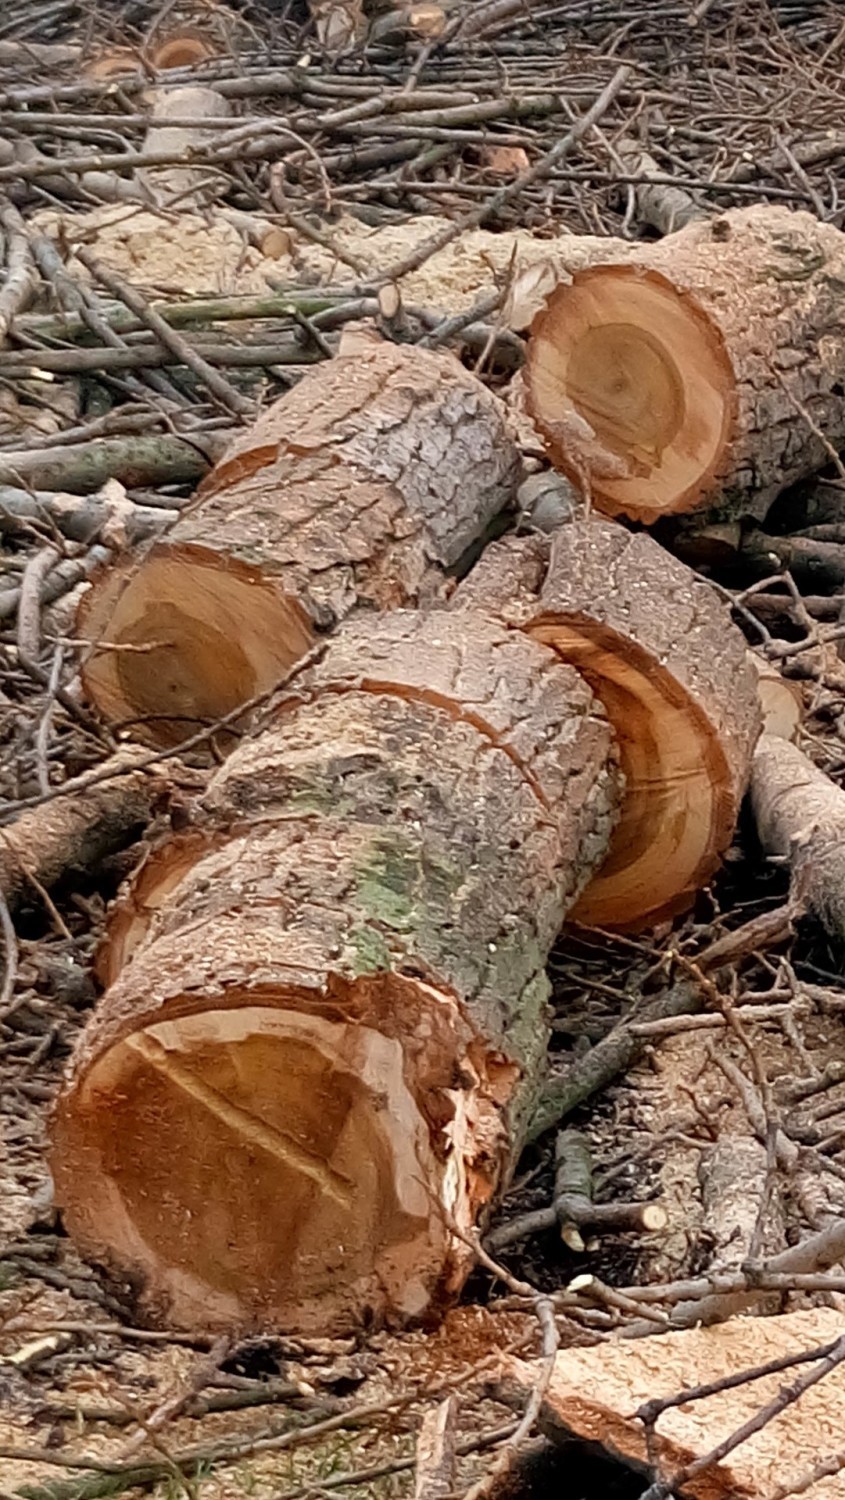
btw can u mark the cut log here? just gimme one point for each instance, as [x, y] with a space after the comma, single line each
[660, 651]
[707, 369]
[800, 817]
[423, 22]
[335, 1018]
[363, 485]
[781, 700]
[184, 49]
[184, 187]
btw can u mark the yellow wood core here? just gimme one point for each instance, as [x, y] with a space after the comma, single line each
[628, 387]
[186, 639]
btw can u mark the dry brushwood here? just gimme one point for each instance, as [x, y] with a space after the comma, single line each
[363, 485]
[657, 647]
[333, 1006]
[677, 376]
[76, 833]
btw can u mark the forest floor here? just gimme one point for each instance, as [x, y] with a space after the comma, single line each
[743, 106]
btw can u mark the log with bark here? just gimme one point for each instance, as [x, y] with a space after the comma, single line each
[363, 485]
[800, 817]
[186, 187]
[658, 648]
[705, 370]
[330, 1008]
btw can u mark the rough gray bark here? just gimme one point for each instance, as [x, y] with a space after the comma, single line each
[362, 487]
[334, 1006]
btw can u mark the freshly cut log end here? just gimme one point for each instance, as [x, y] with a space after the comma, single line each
[182, 642]
[143, 896]
[363, 485]
[632, 387]
[299, 1154]
[330, 1001]
[781, 700]
[180, 51]
[678, 375]
[661, 654]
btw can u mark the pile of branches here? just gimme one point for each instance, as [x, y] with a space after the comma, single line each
[115, 399]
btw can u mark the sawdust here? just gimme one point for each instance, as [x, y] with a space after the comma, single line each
[198, 255]
[164, 257]
[594, 1394]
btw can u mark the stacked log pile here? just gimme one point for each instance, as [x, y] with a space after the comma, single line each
[439, 789]
[331, 993]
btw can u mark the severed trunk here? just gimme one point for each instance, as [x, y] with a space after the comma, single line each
[328, 1005]
[659, 649]
[363, 486]
[705, 370]
[184, 187]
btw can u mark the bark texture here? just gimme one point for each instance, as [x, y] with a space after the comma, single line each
[362, 486]
[332, 1002]
[659, 650]
[800, 816]
[707, 370]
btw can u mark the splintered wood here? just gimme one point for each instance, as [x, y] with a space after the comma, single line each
[327, 1023]
[362, 486]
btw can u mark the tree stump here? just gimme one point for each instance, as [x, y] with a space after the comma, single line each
[363, 485]
[327, 1026]
[660, 651]
[707, 369]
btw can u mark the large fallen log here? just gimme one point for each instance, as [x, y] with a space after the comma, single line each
[363, 485]
[658, 648]
[707, 369]
[327, 1026]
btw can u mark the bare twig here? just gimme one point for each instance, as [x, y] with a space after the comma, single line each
[29, 607]
[21, 276]
[218, 386]
[10, 957]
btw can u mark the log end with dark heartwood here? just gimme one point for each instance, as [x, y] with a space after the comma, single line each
[364, 485]
[685, 375]
[326, 1023]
